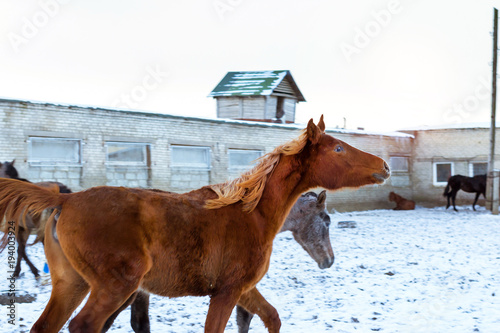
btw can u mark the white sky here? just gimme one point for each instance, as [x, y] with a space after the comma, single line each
[427, 62]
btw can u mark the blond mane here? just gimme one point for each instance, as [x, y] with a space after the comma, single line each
[249, 186]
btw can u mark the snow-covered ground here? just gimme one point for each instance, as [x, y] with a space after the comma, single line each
[428, 270]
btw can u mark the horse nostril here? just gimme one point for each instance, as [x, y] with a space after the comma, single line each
[328, 262]
[386, 167]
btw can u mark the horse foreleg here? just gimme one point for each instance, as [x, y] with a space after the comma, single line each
[254, 302]
[243, 319]
[475, 200]
[219, 311]
[139, 317]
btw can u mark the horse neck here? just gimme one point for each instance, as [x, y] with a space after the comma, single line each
[282, 190]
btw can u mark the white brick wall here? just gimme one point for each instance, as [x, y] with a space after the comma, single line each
[460, 146]
[96, 126]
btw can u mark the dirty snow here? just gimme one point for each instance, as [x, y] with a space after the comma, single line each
[428, 270]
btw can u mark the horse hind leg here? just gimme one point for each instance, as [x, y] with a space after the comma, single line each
[475, 200]
[139, 318]
[112, 318]
[22, 240]
[453, 196]
[68, 289]
[106, 296]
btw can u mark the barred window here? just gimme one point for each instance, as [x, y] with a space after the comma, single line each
[242, 158]
[442, 171]
[399, 163]
[127, 153]
[195, 157]
[478, 168]
[52, 151]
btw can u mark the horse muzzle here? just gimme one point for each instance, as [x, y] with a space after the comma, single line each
[327, 263]
[383, 174]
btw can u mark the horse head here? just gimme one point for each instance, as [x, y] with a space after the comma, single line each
[7, 170]
[309, 223]
[392, 196]
[334, 164]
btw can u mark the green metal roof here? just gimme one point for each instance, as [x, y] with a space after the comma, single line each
[256, 83]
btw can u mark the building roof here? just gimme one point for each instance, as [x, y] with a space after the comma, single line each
[474, 125]
[257, 83]
[212, 120]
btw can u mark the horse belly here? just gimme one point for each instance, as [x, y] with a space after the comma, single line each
[174, 275]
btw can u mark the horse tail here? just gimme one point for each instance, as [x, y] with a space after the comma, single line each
[447, 189]
[17, 198]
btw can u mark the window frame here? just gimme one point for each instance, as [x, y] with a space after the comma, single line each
[146, 152]
[471, 167]
[241, 167]
[192, 166]
[434, 173]
[76, 161]
[407, 163]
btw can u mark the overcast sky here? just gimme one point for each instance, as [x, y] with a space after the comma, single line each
[383, 65]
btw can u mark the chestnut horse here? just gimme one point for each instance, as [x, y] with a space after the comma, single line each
[214, 241]
[33, 222]
[309, 223]
[401, 203]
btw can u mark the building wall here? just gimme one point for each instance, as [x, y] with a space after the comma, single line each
[459, 146]
[254, 107]
[20, 120]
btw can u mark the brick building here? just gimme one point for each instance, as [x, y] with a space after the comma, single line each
[87, 146]
[440, 152]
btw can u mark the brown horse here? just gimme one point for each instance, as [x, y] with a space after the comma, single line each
[309, 223]
[33, 222]
[401, 203]
[214, 241]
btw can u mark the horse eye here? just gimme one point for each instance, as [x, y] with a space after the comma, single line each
[327, 220]
[338, 148]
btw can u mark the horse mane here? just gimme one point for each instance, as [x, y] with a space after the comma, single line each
[249, 187]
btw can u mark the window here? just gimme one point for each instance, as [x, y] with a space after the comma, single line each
[191, 157]
[126, 153]
[399, 163]
[242, 159]
[280, 107]
[478, 168]
[442, 171]
[52, 151]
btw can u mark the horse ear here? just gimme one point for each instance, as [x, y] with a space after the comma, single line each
[13, 161]
[321, 124]
[313, 132]
[322, 197]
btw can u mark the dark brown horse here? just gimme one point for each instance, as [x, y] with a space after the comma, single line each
[309, 223]
[401, 203]
[33, 222]
[476, 184]
[214, 241]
